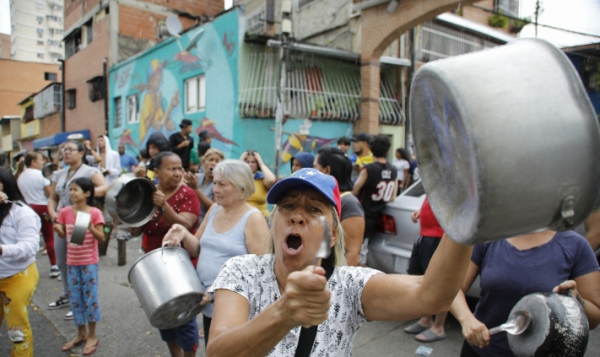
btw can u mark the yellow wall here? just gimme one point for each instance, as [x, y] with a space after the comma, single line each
[32, 128]
[398, 137]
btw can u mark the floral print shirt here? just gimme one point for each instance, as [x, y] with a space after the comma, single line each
[253, 277]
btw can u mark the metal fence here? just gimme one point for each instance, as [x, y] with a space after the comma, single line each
[316, 88]
[438, 41]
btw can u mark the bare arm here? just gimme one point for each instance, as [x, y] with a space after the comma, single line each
[393, 197]
[52, 201]
[179, 234]
[269, 179]
[257, 234]
[403, 297]
[304, 302]
[474, 331]
[592, 227]
[48, 190]
[100, 185]
[354, 230]
[97, 232]
[588, 288]
[360, 182]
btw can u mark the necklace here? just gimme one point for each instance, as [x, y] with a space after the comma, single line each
[70, 175]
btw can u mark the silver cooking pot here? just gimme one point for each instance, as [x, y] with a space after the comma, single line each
[507, 141]
[130, 199]
[167, 286]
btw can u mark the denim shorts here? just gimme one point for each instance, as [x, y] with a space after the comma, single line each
[186, 336]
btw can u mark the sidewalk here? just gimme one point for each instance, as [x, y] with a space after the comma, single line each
[124, 329]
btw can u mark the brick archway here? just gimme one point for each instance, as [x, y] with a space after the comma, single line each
[379, 29]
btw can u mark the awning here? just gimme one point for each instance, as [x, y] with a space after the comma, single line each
[58, 138]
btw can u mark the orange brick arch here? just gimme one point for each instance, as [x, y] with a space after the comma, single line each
[379, 29]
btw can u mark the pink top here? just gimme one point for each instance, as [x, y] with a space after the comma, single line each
[87, 253]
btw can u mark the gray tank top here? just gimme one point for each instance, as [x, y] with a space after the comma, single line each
[217, 248]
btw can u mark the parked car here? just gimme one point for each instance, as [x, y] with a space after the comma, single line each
[390, 248]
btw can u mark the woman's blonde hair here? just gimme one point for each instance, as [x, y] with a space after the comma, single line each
[237, 173]
[212, 151]
[339, 249]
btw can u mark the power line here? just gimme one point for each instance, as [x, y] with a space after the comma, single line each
[537, 24]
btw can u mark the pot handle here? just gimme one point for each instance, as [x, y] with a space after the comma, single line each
[163, 251]
[193, 312]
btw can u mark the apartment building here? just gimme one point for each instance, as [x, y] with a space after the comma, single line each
[36, 30]
[4, 46]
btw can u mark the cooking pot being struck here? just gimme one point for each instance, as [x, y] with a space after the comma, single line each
[558, 326]
[505, 135]
[130, 199]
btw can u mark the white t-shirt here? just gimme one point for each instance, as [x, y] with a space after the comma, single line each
[252, 277]
[20, 239]
[401, 165]
[31, 182]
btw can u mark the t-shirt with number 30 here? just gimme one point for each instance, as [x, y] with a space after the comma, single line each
[379, 188]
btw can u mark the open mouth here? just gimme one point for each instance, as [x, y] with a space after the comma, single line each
[293, 242]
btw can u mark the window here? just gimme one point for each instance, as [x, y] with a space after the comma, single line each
[133, 115]
[40, 32]
[96, 88]
[39, 19]
[507, 7]
[71, 98]
[118, 110]
[195, 94]
[54, 43]
[39, 6]
[40, 43]
[40, 55]
[49, 76]
[72, 43]
[89, 32]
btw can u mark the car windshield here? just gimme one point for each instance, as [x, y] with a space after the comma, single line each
[415, 190]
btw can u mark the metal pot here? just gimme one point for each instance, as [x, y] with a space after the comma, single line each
[558, 328]
[167, 286]
[507, 141]
[80, 228]
[130, 199]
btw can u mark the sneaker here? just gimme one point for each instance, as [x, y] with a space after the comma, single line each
[69, 315]
[54, 272]
[60, 303]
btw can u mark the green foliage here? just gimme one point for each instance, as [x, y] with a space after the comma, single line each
[498, 20]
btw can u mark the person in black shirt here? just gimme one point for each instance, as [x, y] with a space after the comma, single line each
[182, 143]
[376, 185]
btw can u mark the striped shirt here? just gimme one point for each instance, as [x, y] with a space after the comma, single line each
[86, 253]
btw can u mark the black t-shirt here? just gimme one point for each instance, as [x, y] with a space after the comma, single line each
[184, 152]
[378, 189]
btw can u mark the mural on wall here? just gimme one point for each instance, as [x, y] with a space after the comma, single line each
[192, 76]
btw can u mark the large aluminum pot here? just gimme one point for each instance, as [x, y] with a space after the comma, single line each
[130, 199]
[507, 141]
[167, 286]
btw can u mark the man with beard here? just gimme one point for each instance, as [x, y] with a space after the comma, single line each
[360, 146]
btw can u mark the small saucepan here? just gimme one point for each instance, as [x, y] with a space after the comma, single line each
[82, 222]
[558, 327]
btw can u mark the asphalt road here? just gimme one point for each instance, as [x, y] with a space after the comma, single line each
[125, 330]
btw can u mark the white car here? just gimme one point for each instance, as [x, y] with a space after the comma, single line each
[390, 248]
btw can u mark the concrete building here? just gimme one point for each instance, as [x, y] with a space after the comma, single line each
[101, 33]
[344, 40]
[36, 30]
[20, 79]
[4, 46]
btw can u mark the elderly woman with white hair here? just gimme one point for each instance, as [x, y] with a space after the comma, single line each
[231, 227]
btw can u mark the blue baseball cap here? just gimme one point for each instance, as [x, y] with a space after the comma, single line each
[308, 179]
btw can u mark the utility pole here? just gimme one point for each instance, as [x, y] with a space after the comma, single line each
[537, 14]
[286, 31]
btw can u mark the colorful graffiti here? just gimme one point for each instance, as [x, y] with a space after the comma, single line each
[297, 142]
[194, 76]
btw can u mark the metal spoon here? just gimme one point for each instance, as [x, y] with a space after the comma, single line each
[516, 324]
[325, 248]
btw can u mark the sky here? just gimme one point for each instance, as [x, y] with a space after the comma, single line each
[576, 15]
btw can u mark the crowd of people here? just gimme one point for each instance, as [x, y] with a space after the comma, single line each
[253, 238]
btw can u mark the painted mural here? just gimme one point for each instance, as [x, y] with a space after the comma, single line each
[155, 90]
[151, 93]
